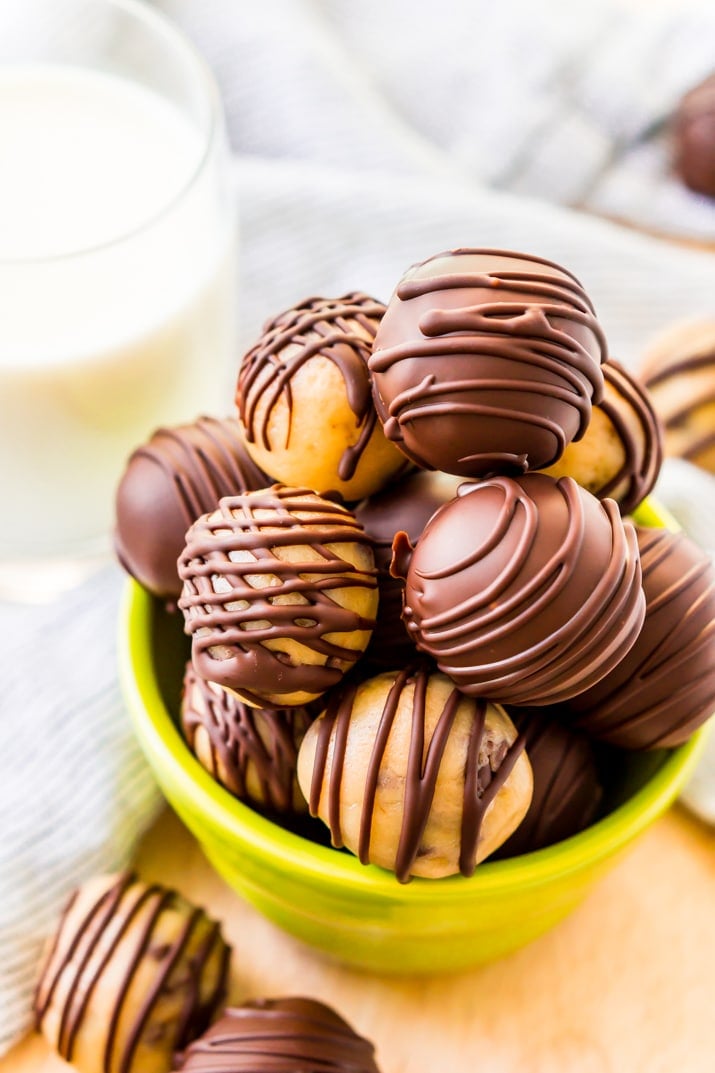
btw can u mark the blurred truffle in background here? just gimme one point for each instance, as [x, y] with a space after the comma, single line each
[694, 138]
[679, 371]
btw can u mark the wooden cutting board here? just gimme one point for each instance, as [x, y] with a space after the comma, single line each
[625, 985]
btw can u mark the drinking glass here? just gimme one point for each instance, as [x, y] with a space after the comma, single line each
[117, 291]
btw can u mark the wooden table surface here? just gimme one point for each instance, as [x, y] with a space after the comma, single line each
[626, 984]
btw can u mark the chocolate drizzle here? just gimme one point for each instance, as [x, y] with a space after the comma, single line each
[407, 504]
[491, 367]
[486, 769]
[179, 474]
[642, 443]
[626, 413]
[665, 686]
[678, 408]
[524, 589]
[341, 330]
[119, 927]
[567, 786]
[239, 593]
[253, 751]
[279, 1036]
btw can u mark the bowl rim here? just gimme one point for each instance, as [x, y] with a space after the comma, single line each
[240, 824]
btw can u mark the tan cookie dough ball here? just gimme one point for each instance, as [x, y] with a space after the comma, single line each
[411, 775]
[280, 595]
[305, 401]
[133, 974]
[253, 752]
[621, 452]
[679, 371]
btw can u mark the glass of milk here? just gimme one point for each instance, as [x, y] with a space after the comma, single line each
[117, 241]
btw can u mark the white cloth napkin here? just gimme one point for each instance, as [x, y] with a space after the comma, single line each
[565, 102]
[366, 136]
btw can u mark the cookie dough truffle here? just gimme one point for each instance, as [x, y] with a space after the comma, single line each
[280, 594]
[567, 784]
[679, 372]
[621, 453]
[251, 751]
[411, 775]
[134, 973]
[407, 504]
[278, 1036]
[487, 361]
[178, 474]
[523, 589]
[665, 687]
[305, 401]
[693, 132]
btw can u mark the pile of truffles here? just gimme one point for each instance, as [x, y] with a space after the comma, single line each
[416, 606]
[135, 975]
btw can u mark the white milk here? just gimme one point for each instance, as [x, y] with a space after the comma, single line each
[99, 347]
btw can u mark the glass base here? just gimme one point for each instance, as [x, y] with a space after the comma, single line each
[41, 580]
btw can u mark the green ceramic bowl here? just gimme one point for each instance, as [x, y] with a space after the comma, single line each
[362, 915]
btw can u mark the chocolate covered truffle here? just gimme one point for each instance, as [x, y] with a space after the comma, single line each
[487, 361]
[178, 474]
[251, 751]
[567, 784]
[305, 401]
[407, 504]
[411, 775]
[621, 453]
[283, 1035]
[134, 973]
[664, 688]
[693, 131]
[280, 594]
[679, 372]
[524, 590]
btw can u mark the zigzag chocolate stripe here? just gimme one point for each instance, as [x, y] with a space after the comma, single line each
[481, 784]
[235, 587]
[341, 330]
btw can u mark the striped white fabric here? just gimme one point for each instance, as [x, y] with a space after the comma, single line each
[565, 102]
[75, 792]
[366, 136]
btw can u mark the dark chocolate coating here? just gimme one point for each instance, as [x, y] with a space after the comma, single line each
[486, 769]
[694, 138]
[567, 787]
[487, 361]
[340, 329]
[664, 688]
[103, 928]
[284, 1035]
[239, 617]
[407, 505]
[642, 444]
[179, 474]
[524, 589]
[245, 740]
